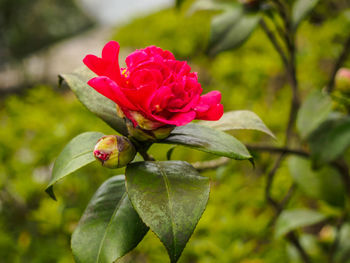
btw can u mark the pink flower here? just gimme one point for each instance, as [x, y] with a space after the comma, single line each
[154, 89]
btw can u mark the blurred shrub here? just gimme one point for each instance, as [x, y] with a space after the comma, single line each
[26, 26]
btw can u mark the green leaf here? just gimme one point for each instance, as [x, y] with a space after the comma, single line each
[208, 140]
[295, 218]
[301, 9]
[94, 101]
[238, 120]
[324, 184]
[330, 140]
[77, 153]
[208, 5]
[231, 29]
[109, 227]
[170, 197]
[343, 244]
[313, 112]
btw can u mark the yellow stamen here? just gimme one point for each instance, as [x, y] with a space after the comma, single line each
[158, 108]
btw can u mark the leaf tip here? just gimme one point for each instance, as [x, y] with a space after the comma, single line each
[170, 153]
[51, 193]
[251, 160]
[60, 80]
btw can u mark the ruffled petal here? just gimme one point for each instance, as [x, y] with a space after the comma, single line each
[214, 113]
[111, 90]
[211, 98]
[177, 119]
[141, 97]
[135, 58]
[209, 107]
[108, 65]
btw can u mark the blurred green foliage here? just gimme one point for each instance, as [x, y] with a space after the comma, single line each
[235, 226]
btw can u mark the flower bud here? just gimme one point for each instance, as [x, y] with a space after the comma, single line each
[343, 80]
[327, 234]
[114, 151]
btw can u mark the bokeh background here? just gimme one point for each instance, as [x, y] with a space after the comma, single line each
[43, 38]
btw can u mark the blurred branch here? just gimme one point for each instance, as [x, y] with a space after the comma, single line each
[293, 238]
[339, 165]
[338, 64]
[290, 66]
[335, 244]
[213, 164]
[282, 150]
[274, 42]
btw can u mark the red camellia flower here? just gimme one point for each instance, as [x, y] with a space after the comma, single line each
[154, 89]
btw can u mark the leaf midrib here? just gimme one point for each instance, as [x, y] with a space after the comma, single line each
[166, 182]
[65, 166]
[109, 224]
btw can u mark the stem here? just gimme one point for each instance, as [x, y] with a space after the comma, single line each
[274, 42]
[282, 150]
[338, 64]
[290, 67]
[146, 156]
[142, 149]
[213, 164]
[293, 238]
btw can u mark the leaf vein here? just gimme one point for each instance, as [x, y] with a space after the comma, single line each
[166, 181]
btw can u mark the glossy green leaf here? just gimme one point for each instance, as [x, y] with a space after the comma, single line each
[231, 29]
[94, 101]
[170, 197]
[301, 9]
[295, 218]
[77, 153]
[313, 112]
[324, 184]
[329, 141]
[208, 140]
[109, 227]
[238, 120]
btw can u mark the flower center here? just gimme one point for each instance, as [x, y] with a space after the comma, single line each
[158, 108]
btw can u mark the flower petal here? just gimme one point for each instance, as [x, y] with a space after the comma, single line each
[111, 90]
[177, 119]
[209, 107]
[214, 113]
[108, 65]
